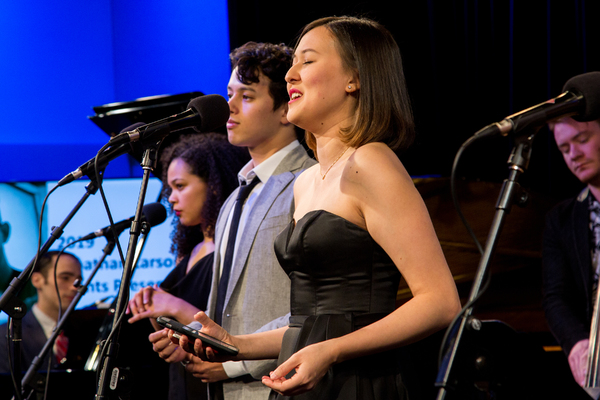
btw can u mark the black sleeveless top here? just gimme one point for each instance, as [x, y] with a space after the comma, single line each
[193, 287]
[341, 280]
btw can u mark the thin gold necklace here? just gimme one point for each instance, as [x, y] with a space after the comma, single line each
[332, 164]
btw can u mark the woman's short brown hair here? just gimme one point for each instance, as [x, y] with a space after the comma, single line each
[383, 112]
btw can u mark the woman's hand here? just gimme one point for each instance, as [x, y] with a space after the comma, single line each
[165, 348]
[197, 348]
[310, 363]
[139, 301]
[152, 302]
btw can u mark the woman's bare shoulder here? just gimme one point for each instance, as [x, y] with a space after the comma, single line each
[373, 163]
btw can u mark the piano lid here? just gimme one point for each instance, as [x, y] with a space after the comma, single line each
[114, 117]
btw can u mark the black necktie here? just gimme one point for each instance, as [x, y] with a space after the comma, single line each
[228, 259]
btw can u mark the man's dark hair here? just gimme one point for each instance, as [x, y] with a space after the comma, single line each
[44, 262]
[272, 60]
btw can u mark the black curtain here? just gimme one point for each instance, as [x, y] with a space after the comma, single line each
[468, 63]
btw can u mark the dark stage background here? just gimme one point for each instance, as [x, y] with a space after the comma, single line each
[467, 63]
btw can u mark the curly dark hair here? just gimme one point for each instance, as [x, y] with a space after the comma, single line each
[213, 159]
[272, 60]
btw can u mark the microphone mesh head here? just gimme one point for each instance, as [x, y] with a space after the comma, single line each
[213, 110]
[154, 213]
[587, 85]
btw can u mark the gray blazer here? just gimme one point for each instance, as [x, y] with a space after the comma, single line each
[258, 294]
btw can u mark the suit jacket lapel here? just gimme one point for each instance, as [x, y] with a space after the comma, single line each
[274, 186]
[280, 179]
[219, 230]
[225, 211]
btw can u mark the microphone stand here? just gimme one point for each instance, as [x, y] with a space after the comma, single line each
[119, 376]
[81, 290]
[15, 308]
[518, 162]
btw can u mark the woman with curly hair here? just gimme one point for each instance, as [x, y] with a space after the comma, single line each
[199, 172]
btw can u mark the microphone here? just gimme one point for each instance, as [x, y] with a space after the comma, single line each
[103, 160]
[580, 99]
[204, 114]
[153, 214]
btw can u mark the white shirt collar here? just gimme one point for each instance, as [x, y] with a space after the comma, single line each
[265, 169]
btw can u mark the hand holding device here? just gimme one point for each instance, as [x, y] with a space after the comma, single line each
[193, 334]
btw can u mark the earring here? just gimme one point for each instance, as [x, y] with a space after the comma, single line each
[349, 86]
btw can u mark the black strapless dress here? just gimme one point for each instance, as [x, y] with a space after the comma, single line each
[341, 280]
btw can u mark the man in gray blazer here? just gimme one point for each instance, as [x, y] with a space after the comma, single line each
[258, 290]
[255, 292]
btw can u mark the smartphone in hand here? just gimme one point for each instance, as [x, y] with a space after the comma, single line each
[193, 334]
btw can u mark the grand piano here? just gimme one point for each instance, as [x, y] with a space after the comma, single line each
[514, 355]
[515, 292]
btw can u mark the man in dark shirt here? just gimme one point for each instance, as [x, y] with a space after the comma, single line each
[571, 246]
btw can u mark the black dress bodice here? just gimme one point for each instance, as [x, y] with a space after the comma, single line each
[335, 267]
[341, 280]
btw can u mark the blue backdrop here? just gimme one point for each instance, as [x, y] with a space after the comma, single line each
[60, 59]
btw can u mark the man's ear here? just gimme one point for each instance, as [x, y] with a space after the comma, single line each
[284, 110]
[37, 280]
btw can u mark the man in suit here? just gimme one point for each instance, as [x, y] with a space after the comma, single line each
[571, 246]
[255, 293]
[39, 322]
